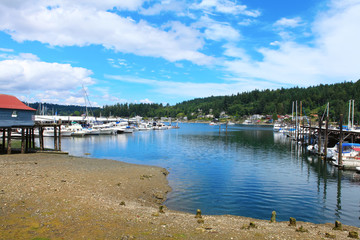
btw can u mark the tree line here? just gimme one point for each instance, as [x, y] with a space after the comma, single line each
[266, 102]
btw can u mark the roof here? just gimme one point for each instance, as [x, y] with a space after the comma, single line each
[11, 102]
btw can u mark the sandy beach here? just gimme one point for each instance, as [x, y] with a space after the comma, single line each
[56, 196]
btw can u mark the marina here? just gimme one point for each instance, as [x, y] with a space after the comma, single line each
[246, 171]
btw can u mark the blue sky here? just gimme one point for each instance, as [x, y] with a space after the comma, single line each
[145, 51]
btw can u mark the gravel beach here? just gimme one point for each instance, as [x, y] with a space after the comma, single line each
[56, 196]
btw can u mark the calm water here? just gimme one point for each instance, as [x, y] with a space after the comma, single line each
[250, 171]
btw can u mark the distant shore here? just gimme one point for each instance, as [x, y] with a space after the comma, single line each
[52, 196]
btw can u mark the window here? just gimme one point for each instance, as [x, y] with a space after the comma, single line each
[14, 114]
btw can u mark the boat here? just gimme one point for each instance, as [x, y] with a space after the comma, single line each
[277, 127]
[76, 130]
[49, 132]
[350, 155]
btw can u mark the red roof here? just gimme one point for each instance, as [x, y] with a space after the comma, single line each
[11, 102]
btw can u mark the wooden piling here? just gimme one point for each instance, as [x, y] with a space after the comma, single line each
[3, 140]
[22, 140]
[340, 141]
[9, 141]
[33, 137]
[26, 139]
[41, 138]
[55, 138]
[59, 137]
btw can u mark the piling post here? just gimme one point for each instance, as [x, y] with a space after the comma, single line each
[9, 141]
[33, 137]
[326, 136]
[3, 140]
[27, 140]
[60, 135]
[22, 140]
[319, 137]
[41, 138]
[226, 126]
[55, 138]
[340, 141]
[219, 127]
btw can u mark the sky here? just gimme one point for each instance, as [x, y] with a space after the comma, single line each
[169, 51]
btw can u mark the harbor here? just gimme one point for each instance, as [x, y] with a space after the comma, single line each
[245, 171]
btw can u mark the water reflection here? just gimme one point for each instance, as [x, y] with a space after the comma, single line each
[246, 171]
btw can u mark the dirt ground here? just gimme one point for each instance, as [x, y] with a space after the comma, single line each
[56, 196]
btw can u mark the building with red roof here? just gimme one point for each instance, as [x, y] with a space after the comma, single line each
[14, 113]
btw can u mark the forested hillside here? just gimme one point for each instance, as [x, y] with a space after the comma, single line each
[266, 102]
[314, 100]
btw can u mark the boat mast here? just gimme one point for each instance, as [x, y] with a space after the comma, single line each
[352, 119]
[349, 114]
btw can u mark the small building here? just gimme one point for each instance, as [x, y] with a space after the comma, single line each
[14, 113]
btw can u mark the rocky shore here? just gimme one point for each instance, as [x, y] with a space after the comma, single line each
[55, 196]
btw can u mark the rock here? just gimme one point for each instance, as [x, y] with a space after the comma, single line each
[329, 235]
[122, 203]
[302, 229]
[353, 234]
[198, 214]
[292, 222]
[200, 221]
[273, 217]
[252, 225]
[338, 226]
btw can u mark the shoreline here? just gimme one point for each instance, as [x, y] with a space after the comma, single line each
[55, 196]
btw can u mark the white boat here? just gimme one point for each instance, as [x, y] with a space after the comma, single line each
[105, 129]
[350, 155]
[92, 131]
[145, 127]
[49, 132]
[161, 126]
[277, 127]
[247, 122]
[76, 130]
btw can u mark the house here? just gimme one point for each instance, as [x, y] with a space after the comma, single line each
[14, 113]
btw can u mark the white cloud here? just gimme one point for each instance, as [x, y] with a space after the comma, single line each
[226, 7]
[217, 31]
[6, 50]
[146, 100]
[191, 89]
[288, 22]
[42, 81]
[69, 23]
[165, 6]
[331, 57]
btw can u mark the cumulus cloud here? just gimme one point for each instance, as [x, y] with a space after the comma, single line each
[165, 6]
[226, 7]
[288, 22]
[146, 100]
[6, 50]
[69, 23]
[331, 57]
[191, 89]
[42, 81]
